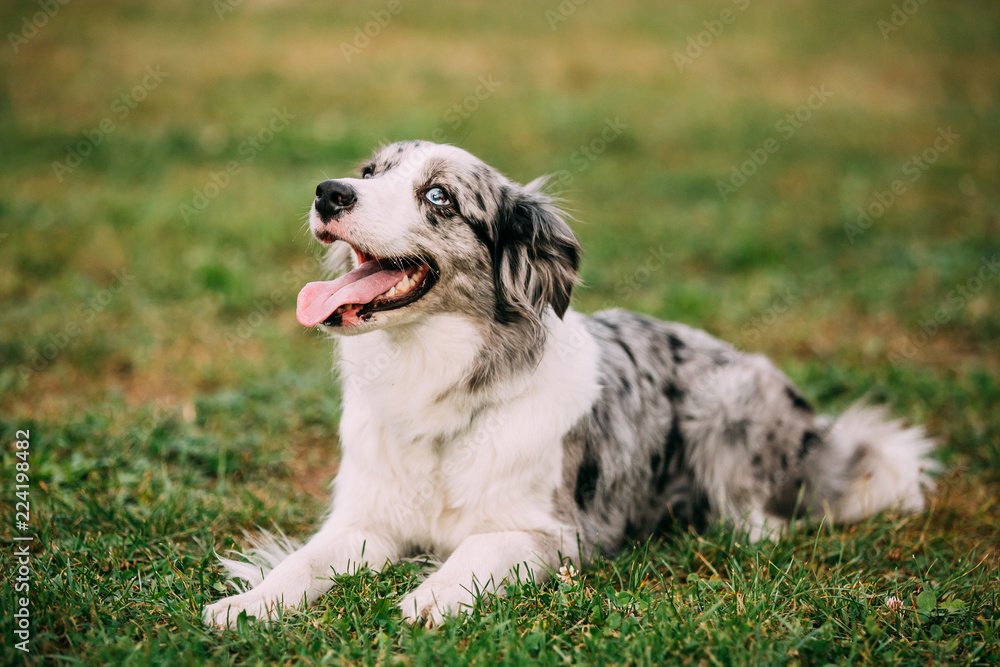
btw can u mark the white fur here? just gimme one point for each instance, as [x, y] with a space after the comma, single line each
[895, 463]
[267, 549]
[419, 472]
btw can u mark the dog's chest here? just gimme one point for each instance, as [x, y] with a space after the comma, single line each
[433, 492]
[440, 464]
[458, 492]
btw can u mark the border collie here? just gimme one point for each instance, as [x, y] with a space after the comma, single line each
[486, 422]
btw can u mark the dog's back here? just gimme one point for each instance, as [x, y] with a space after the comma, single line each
[688, 429]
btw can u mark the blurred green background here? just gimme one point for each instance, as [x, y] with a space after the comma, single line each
[159, 159]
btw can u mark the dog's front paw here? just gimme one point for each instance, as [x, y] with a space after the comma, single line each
[434, 601]
[224, 613]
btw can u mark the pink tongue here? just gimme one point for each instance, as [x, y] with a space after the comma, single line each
[317, 300]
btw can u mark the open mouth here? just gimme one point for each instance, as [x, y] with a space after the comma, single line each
[378, 284]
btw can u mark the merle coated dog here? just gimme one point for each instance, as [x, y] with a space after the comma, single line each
[487, 422]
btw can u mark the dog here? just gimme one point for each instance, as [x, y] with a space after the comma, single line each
[488, 423]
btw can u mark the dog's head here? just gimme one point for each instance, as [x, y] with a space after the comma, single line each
[435, 230]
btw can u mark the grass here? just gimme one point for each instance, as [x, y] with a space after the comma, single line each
[173, 402]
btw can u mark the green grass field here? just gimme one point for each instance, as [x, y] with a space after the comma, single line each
[158, 160]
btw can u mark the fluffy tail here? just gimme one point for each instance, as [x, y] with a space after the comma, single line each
[266, 550]
[873, 463]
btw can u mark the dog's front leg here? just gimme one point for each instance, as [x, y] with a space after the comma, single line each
[306, 573]
[479, 566]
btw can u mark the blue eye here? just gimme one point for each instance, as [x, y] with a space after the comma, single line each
[437, 197]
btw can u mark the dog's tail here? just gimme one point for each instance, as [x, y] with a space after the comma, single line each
[266, 550]
[869, 463]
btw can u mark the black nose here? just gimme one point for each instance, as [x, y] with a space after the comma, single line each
[332, 197]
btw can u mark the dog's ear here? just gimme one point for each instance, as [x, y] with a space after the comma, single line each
[536, 255]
